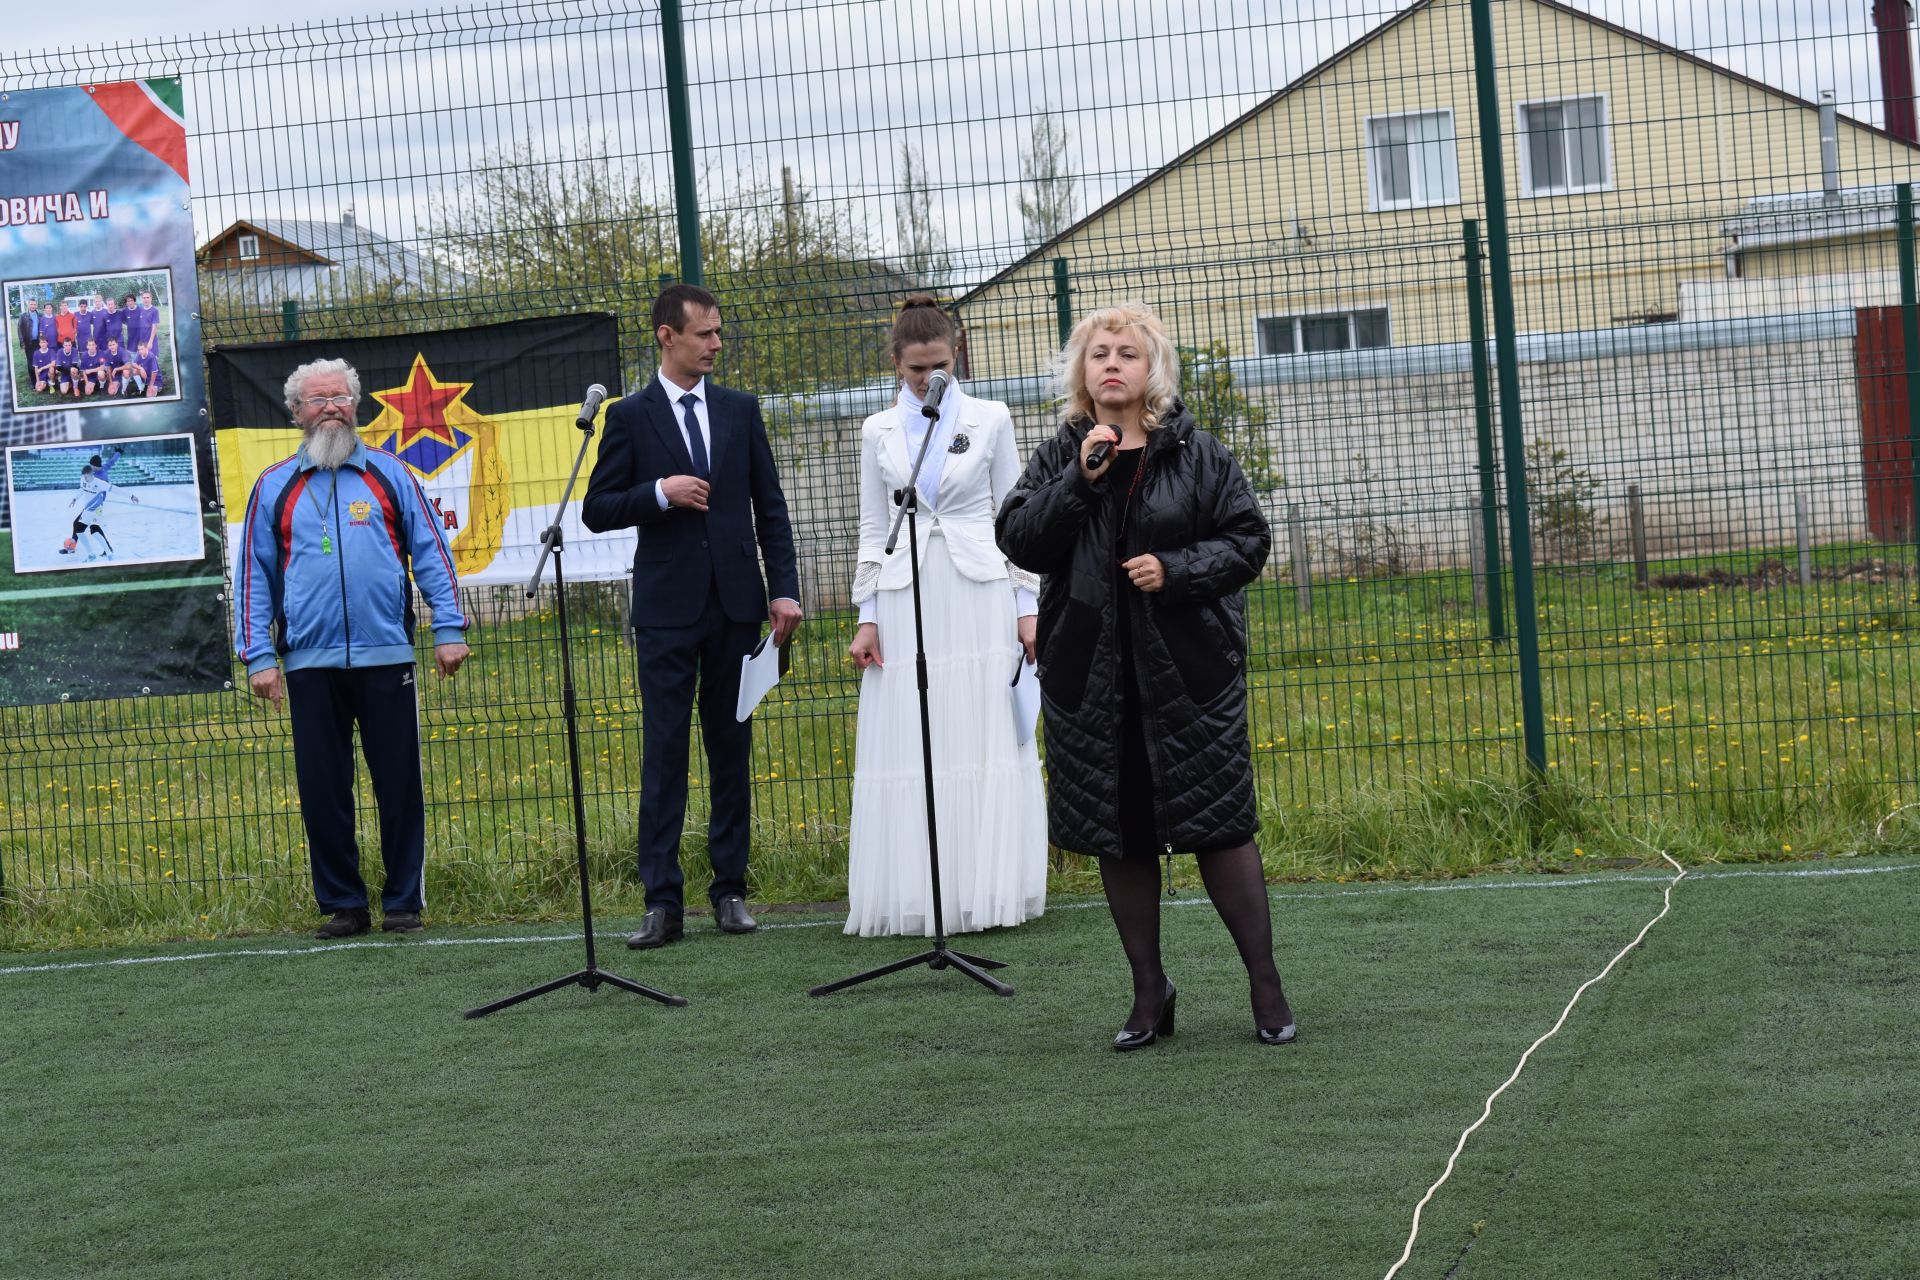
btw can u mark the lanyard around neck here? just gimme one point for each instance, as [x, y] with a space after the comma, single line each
[333, 493]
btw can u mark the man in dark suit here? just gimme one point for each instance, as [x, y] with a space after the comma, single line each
[27, 328]
[685, 463]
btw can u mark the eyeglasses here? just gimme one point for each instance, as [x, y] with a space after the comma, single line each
[321, 402]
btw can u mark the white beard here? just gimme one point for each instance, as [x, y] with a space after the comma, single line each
[329, 446]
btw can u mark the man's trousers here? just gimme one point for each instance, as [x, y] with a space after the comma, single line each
[325, 703]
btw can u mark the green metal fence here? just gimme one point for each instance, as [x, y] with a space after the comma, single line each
[1571, 345]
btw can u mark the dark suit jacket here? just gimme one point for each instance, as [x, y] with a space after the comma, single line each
[680, 551]
[28, 327]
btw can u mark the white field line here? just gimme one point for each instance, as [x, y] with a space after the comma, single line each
[1454, 886]
[1486, 1111]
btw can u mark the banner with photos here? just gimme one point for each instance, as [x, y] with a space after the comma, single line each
[111, 578]
[483, 416]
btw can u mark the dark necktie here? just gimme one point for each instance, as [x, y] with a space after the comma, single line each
[696, 445]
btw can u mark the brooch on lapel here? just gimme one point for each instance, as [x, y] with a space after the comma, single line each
[959, 445]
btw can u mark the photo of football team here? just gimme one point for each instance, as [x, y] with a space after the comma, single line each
[88, 341]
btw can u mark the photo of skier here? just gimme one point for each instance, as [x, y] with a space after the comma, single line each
[90, 505]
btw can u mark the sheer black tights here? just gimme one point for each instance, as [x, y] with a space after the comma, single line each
[1237, 885]
[1133, 895]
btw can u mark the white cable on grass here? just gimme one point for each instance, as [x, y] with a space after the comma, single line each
[1487, 1111]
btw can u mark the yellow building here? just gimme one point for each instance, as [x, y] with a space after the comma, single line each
[1330, 216]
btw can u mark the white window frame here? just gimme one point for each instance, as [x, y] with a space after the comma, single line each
[248, 245]
[1352, 315]
[1531, 190]
[1377, 205]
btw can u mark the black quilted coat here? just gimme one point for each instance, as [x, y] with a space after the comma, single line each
[1196, 512]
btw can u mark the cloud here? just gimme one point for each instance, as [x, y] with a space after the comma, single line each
[391, 114]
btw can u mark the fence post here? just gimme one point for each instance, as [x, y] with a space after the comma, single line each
[1062, 301]
[1302, 566]
[1803, 538]
[686, 200]
[1637, 534]
[290, 320]
[1512, 436]
[1488, 588]
[1477, 564]
[1910, 335]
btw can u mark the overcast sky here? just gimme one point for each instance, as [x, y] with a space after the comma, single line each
[133, 23]
[387, 116]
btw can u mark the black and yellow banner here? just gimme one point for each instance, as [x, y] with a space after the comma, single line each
[483, 416]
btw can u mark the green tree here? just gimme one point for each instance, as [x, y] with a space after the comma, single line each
[805, 300]
[807, 303]
[1567, 526]
[580, 232]
[923, 253]
[1049, 198]
[1207, 388]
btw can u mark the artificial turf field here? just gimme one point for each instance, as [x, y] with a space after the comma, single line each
[1736, 1100]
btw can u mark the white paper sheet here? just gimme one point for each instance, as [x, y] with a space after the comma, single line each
[759, 672]
[1026, 698]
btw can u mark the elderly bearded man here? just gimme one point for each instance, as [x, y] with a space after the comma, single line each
[323, 591]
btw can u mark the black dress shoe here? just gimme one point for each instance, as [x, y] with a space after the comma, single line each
[656, 929]
[345, 924]
[730, 915]
[1127, 1041]
[1278, 1035]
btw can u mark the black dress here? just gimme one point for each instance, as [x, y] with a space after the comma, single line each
[1139, 827]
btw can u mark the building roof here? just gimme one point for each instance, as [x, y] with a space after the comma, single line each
[1313, 73]
[354, 256]
[1806, 217]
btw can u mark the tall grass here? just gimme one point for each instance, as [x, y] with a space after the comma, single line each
[1719, 722]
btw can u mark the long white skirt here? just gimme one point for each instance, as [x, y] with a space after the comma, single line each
[991, 807]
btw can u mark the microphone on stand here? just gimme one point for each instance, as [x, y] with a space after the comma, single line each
[1102, 451]
[590, 407]
[936, 387]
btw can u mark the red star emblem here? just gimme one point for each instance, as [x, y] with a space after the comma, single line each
[422, 405]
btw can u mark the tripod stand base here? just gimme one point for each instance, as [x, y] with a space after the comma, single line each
[940, 957]
[591, 979]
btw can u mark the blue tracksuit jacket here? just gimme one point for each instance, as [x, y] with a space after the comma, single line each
[322, 567]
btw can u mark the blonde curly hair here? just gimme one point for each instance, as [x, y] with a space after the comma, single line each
[1163, 362]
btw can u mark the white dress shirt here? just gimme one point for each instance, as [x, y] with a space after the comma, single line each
[674, 392]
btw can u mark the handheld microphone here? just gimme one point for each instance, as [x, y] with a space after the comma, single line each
[936, 387]
[590, 407]
[1102, 451]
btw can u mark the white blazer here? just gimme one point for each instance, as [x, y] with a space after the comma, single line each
[973, 484]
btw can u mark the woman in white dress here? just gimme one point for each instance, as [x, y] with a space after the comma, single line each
[979, 622]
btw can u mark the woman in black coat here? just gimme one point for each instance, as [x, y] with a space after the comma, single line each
[1146, 546]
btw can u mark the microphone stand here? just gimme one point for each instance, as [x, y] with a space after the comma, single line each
[939, 956]
[593, 975]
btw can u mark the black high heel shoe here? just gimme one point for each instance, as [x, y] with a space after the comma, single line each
[1128, 1041]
